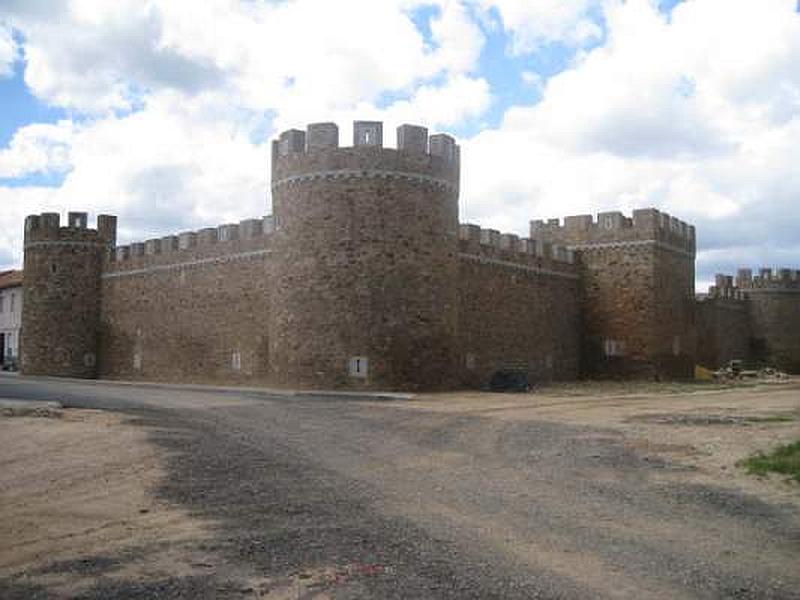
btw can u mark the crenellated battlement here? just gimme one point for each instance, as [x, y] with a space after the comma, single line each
[300, 156]
[767, 278]
[725, 287]
[509, 250]
[479, 238]
[46, 229]
[645, 225]
[318, 137]
[245, 235]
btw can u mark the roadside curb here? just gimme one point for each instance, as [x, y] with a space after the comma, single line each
[32, 404]
[353, 394]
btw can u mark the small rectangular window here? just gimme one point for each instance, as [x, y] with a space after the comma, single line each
[13, 296]
[613, 348]
[359, 366]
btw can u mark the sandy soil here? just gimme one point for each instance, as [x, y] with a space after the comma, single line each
[77, 511]
[76, 484]
[708, 428]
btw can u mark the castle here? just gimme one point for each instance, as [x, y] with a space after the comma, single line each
[363, 278]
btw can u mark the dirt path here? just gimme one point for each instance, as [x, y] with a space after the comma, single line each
[570, 493]
[80, 512]
[706, 430]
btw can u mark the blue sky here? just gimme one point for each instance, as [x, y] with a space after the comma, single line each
[20, 107]
[161, 111]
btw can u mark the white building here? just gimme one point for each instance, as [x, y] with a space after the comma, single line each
[10, 318]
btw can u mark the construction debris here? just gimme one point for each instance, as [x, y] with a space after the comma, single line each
[733, 371]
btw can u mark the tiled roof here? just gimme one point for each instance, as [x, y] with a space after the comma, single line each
[9, 279]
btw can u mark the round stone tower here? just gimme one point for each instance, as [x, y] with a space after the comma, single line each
[61, 289]
[774, 305]
[365, 258]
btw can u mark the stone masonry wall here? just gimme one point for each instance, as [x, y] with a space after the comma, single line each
[518, 308]
[674, 329]
[61, 293]
[723, 331]
[637, 286]
[618, 305]
[774, 301]
[192, 307]
[366, 265]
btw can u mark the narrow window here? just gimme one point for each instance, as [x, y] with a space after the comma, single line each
[359, 366]
[612, 348]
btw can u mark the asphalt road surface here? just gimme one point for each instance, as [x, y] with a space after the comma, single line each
[439, 505]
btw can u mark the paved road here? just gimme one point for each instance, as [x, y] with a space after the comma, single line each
[455, 506]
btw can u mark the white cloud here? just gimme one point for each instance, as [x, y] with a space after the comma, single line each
[533, 24]
[8, 51]
[38, 148]
[173, 165]
[533, 79]
[97, 56]
[445, 105]
[458, 38]
[304, 56]
[17, 203]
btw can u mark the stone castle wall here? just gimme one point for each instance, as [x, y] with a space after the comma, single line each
[61, 296]
[192, 307]
[723, 331]
[675, 331]
[518, 307]
[751, 318]
[637, 288]
[363, 278]
[774, 310]
[365, 269]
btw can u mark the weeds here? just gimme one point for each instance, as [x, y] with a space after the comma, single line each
[783, 459]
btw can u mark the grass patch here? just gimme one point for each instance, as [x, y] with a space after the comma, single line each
[783, 459]
[773, 419]
[633, 387]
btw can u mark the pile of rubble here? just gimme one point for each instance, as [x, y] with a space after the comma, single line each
[733, 371]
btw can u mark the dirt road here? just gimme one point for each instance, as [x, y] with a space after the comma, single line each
[193, 492]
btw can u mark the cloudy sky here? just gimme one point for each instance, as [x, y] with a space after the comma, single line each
[161, 111]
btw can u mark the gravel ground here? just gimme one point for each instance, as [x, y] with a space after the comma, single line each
[307, 497]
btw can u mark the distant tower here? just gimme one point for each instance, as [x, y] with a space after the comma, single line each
[775, 316]
[62, 293]
[365, 264]
[637, 280]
